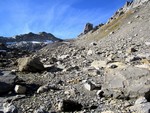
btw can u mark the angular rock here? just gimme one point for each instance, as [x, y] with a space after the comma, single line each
[130, 81]
[30, 64]
[90, 85]
[90, 52]
[20, 89]
[42, 89]
[46, 87]
[9, 108]
[40, 110]
[140, 100]
[7, 82]
[141, 106]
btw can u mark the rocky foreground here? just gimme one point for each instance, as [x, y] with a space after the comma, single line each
[111, 75]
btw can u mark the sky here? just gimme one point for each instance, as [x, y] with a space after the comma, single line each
[63, 18]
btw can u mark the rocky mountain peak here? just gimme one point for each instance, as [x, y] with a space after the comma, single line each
[88, 27]
[42, 36]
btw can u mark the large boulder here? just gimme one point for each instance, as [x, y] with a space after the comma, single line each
[128, 82]
[30, 64]
[7, 82]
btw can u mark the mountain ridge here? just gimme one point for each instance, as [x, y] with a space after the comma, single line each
[41, 37]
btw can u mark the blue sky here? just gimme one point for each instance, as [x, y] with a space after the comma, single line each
[63, 18]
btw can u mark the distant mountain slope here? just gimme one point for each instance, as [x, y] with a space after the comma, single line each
[41, 37]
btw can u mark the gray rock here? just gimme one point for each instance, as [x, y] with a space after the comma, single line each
[90, 85]
[7, 82]
[46, 87]
[129, 81]
[141, 106]
[30, 64]
[43, 89]
[140, 100]
[20, 89]
[90, 52]
[40, 110]
[9, 108]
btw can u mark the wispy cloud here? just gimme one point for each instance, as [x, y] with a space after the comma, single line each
[57, 17]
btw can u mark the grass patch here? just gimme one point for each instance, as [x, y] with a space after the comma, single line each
[108, 28]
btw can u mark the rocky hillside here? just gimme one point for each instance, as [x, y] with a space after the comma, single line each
[105, 70]
[123, 23]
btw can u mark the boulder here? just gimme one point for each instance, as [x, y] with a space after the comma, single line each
[130, 81]
[30, 64]
[9, 108]
[20, 89]
[141, 106]
[7, 82]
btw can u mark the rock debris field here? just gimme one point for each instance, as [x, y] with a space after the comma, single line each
[83, 75]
